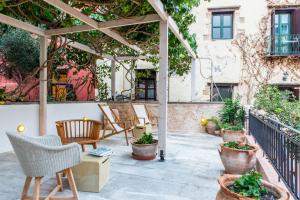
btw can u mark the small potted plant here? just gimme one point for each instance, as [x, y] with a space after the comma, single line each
[232, 117]
[212, 125]
[237, 158]
[144, 148]
[249, 187]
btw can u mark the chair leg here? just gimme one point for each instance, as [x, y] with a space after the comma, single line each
[26, 187]
[59, 181]
[37, 188]
[82, 147]
[126, 136]
[95, 145]
[72, 184]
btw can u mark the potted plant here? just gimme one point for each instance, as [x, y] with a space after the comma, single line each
[249, 187]
[232, 117]
[144, 148]
[238, 158]
[212, 125]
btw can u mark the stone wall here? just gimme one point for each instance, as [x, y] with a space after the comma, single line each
[181, 116]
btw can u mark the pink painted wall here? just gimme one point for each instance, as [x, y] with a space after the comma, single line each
[84, 92]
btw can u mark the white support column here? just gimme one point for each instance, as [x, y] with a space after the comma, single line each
[163, 89]
[194, 79]
[113, 80]
[43, 87]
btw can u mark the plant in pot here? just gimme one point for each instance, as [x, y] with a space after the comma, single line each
[144, 148]
[237, 158]
[249, 187]
[232, 117]
[212, 126]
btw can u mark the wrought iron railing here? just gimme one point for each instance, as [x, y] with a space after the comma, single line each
[284, 45]
[281, 145]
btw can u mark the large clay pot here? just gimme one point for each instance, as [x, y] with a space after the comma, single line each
[236, 136]
[211, 127]
[144, 151]
[227, 180]
[237, 161]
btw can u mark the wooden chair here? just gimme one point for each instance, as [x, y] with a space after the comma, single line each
[83, 132]
[142, 115]
[116, 125]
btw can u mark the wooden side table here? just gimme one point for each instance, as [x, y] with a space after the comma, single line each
[140, 129]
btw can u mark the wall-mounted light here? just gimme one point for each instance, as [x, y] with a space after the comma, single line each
[20, 128]
[85, 118]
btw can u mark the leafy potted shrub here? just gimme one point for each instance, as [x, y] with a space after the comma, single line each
[144, 148]
[232, 117]
[238, 158]
[249, 187]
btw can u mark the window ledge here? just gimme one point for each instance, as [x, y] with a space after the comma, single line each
[224, 8]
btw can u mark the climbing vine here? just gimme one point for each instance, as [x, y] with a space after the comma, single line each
[258, 68]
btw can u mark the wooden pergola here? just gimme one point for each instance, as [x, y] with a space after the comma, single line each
[166, 24]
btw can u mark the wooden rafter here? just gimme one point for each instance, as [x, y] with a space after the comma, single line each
[159, 8]
[21, 25]
[106, 25]
[80, 16]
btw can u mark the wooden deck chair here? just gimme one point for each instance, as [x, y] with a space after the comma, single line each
[116, 125]
[142, 115]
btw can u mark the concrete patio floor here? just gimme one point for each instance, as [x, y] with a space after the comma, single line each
[190, 172]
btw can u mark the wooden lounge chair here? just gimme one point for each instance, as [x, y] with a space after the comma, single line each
[83, 132]
[116, 125]
[142, 115]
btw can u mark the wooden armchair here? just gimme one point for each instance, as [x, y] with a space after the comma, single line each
[83, 132]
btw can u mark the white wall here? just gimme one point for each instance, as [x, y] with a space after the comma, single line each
[13, 115]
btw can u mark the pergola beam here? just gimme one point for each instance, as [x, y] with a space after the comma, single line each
[21, 25]
[159, 8]
[80, 16]
[106, 25]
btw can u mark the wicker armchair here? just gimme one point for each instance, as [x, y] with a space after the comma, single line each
[45, 156]
[83, 132]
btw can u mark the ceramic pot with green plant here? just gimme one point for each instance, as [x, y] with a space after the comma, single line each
[144, 148]
[249, 187]
[212, 125]
[232, 116]
[233, 133]
[238, 158]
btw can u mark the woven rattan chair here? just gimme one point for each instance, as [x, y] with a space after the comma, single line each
[83, 132]
[45, 156]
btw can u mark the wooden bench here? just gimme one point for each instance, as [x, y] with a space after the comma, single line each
[83, 132]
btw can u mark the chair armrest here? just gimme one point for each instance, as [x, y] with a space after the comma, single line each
[49, 140]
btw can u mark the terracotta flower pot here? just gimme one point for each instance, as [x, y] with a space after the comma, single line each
[226, 194]
[236, 136]
[211, 127]
[237, 161]
[217, 132]
[144, 151]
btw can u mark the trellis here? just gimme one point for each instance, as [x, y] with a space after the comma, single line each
[166, 23]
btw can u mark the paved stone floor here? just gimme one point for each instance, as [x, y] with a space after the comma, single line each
[189, 173]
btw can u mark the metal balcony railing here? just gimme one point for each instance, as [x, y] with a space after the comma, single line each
[284, 45]
[281, 144]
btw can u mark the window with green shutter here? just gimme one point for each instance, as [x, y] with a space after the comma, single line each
[222, 25]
